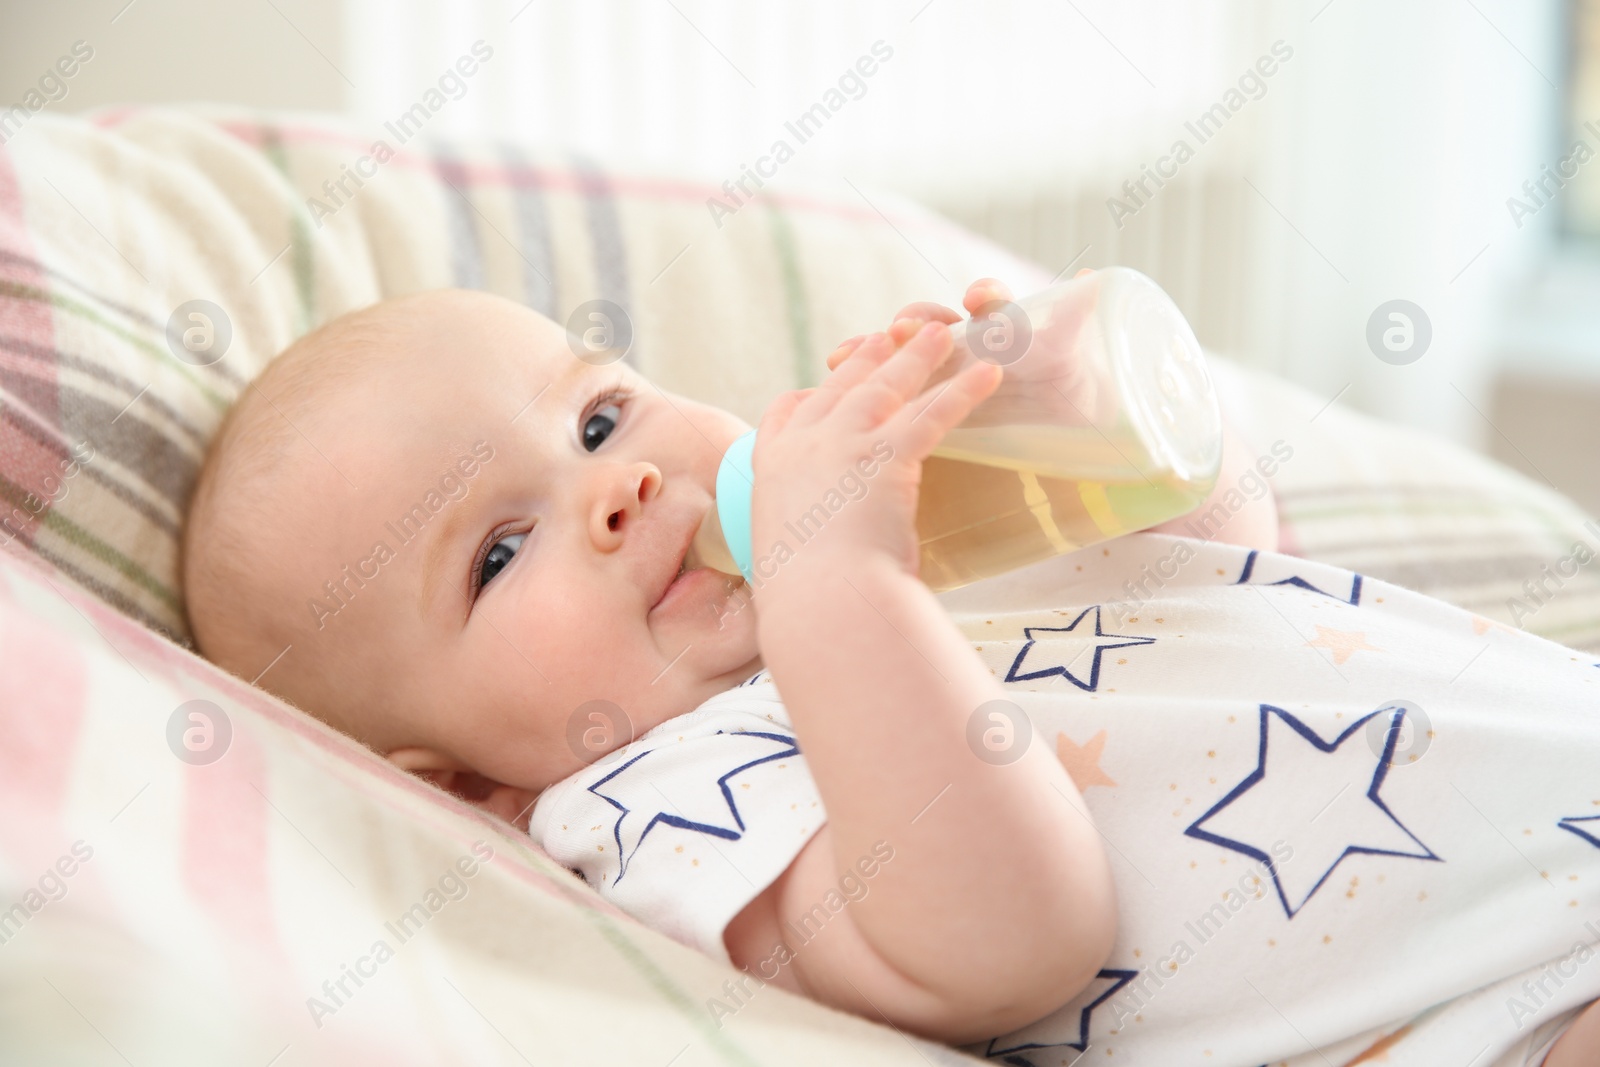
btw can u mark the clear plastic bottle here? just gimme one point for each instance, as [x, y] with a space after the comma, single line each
[1104, 423]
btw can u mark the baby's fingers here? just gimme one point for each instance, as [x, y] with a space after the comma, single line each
[930, 310]
[864, 359]
[906, 322]
[945, 406]
[847, 346]
[778, 413]
[902, 375]
[984, 291]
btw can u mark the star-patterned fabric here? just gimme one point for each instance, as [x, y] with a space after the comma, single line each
[677, 827]
[1348, 823]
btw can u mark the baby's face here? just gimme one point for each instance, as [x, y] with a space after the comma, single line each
[514, 514]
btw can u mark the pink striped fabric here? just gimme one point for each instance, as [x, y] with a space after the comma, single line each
[216, 900]
[26, 461]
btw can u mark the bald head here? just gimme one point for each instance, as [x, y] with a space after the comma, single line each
[252, 512]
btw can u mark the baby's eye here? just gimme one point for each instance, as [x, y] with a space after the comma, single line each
[499, 555]
[599, 426]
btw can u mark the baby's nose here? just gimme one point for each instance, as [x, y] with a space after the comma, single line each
[626, 494]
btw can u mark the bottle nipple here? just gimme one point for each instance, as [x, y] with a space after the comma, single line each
[710, 548]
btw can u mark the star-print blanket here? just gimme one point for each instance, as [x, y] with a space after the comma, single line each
[1347, 821]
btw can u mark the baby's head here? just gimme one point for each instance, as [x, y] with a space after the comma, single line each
[435, 528]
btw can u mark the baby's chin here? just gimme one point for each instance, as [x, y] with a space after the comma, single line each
[713, 617]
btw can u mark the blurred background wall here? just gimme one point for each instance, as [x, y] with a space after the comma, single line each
[1336, 155]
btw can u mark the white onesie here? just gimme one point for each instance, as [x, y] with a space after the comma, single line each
[1339, 814]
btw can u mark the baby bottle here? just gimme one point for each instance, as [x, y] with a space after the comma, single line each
[1105, 422]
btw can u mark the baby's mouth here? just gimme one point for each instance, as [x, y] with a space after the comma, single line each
[692, 561]
[685, 565]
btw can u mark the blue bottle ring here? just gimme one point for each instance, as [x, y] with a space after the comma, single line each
[736, 479]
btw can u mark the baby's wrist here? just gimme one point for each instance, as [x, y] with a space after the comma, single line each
[826, 589]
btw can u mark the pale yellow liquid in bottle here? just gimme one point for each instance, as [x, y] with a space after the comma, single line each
[995, 499]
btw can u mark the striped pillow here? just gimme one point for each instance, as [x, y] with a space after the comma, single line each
[191, 871]
[111, 227]
[1417, 511]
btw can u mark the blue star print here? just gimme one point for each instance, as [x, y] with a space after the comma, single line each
[643, 806]
[1570, 823]
[1018, 1044]
[1307, 803]
[1283, 570]
[1099, 641]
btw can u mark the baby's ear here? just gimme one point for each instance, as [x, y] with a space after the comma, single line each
[512, 803]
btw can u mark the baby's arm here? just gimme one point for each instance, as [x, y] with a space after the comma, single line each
[1242, 519]
[997, 904]
[1579, 1046]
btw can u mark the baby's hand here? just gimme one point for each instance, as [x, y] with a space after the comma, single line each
[904, 326]
[837, 467]
[1051, 359]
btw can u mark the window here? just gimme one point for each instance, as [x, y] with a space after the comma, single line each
[1582, 148]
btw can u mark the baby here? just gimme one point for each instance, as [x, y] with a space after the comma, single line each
[432, 526]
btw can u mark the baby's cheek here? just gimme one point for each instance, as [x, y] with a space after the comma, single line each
[570, 642]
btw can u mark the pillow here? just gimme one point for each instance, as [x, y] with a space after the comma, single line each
[1420, 512]
[111, 226]
[192, 871]
[112, 229]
